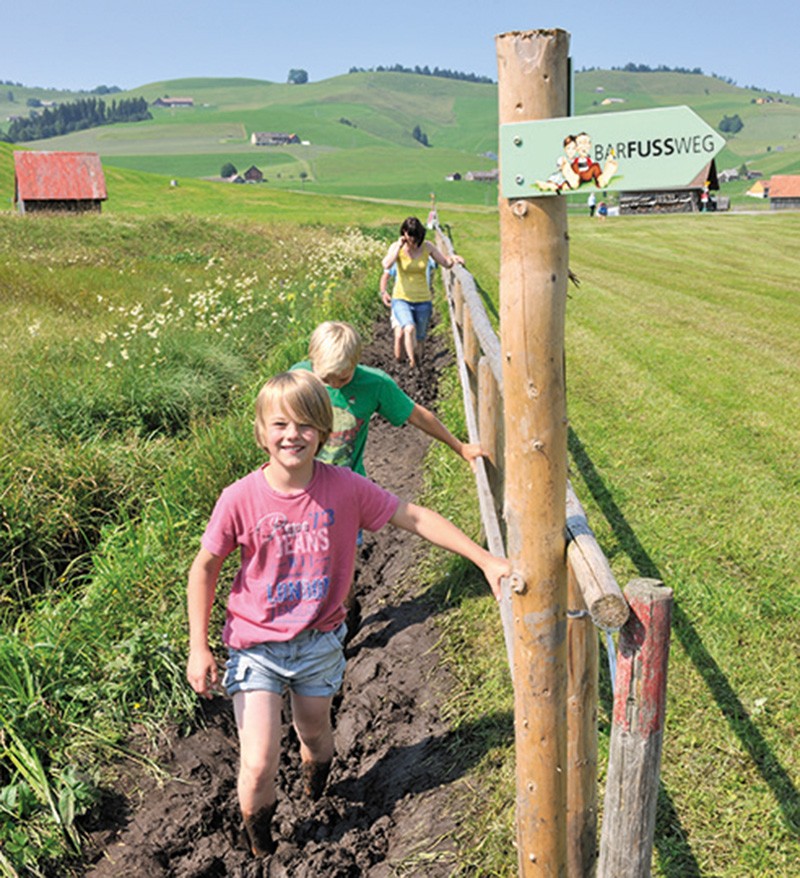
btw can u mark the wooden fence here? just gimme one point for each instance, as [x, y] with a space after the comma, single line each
[596, 602]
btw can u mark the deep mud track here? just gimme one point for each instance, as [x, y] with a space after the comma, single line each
[391, 805]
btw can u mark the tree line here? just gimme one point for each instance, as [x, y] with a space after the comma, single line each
[425, 71]
[76, 116]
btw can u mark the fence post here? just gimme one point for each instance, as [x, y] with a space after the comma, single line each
[533, 83]
[634, 760]
[582, 686]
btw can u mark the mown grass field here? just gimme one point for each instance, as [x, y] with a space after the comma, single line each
[134, 342]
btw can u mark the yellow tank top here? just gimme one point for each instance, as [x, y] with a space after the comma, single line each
[412, 282]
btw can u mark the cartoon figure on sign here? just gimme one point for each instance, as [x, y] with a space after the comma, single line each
[557, 180]
[583, 169]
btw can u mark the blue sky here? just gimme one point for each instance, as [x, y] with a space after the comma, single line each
[85, 43]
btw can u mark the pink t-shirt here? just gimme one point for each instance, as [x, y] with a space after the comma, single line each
[297, 550]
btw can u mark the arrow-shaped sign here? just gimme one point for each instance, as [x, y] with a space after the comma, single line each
[664, 148]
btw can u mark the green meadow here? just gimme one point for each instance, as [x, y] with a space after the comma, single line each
[133, 343]
[358, 130]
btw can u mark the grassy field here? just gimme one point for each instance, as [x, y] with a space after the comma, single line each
[359, 130]
[133, 342]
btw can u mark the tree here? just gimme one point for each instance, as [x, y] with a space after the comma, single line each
[297, 77]
[227, 170]
[420, 136]
[731, 124]
[303, 178]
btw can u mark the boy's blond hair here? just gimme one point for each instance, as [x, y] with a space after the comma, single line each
[302, 396]
[334, 348]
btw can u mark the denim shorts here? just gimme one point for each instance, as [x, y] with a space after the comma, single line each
[312, 663]
[416, 314]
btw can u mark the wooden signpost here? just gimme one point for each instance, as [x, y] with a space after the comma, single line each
[533, 83]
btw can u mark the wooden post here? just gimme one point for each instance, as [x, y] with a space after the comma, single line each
[634, 760]
[582, 686]
[533, 83]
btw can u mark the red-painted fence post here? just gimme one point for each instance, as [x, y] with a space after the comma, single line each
[634, 762]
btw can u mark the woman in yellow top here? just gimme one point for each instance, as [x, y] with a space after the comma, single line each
[411, 299]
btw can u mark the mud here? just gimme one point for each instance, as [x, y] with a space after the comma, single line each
[391, 804]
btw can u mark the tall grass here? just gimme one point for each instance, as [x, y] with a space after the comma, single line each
[128, 407]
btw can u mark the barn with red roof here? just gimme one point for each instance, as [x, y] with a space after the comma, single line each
[60, 181]
[784, 192]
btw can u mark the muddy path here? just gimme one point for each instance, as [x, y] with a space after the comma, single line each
[391, 806]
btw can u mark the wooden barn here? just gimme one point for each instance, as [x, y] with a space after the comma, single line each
[784, 192]
[683, 199]
[254, 175]
[58, 181]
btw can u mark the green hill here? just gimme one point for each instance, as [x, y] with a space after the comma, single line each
[358, 128]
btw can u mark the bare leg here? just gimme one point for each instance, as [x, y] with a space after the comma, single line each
[398, 343]
[312, 722]
[409, 340]
[258, 719]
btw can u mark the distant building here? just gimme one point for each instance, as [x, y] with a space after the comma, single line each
[784, 192]
[728, 174]
[272, 138]
[253, 175]
[482, 176]
[680, 199]
[173, 102]
[759, 189]
[58, 181]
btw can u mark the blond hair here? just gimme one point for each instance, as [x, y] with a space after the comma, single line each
[302, 396]
[334, 347]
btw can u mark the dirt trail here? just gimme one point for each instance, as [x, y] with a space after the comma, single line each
[391, 806]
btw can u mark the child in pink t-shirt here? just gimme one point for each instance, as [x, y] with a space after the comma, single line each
[294, 522]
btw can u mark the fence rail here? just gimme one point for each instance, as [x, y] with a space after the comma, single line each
[595, 601]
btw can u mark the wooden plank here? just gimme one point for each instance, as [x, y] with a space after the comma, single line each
[598, 585]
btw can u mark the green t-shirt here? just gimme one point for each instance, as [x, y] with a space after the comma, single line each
[370, 391]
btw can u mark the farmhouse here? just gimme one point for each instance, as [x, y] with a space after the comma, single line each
[482, 176]
[759, 189]
[253, 175]
[58, 181]
[272, 138]
[173, 102]
[683, 199]
[784, 192]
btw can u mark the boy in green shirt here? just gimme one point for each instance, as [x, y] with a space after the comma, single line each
[357, 392]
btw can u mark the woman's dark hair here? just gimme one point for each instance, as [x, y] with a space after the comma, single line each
[414, 228]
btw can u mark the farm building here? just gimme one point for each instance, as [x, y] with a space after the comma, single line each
[58, 181]
[173, 102]
[759, 189]
[784, 192]
[683, 199]
[272, 138]
[253, 175]
[482, 176]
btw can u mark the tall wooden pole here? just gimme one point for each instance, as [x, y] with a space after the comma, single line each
[533, 83]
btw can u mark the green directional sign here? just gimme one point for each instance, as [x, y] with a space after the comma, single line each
[663, 148]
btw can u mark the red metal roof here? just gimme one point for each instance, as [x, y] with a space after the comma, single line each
[784, 186]
[59, 176]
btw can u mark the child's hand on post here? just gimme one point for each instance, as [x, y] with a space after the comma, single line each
[471, 451]
[494, 569]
